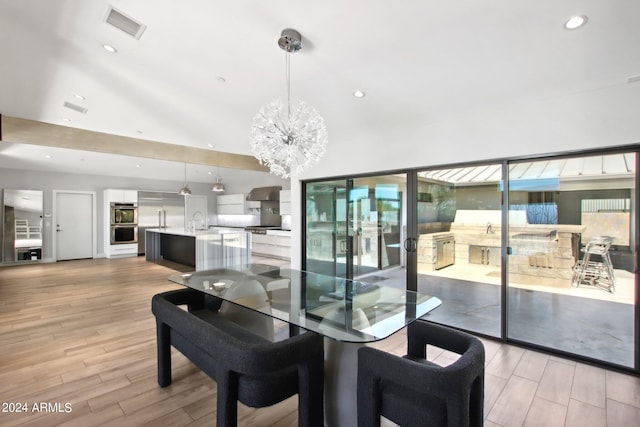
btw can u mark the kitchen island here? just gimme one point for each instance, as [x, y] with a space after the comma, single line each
[199, 249]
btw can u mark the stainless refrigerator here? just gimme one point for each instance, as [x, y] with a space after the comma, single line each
[158, 210]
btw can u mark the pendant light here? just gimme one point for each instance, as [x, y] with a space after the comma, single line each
[184, 191]
[218, 186]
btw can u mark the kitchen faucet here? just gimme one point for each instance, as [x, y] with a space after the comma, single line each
[490, 228]
[196, 218]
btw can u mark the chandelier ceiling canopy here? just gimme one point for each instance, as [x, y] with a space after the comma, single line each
[288, 136]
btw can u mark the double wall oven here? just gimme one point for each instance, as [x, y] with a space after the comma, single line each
[124, 223]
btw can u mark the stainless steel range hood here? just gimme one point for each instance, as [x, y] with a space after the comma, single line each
[264, 194]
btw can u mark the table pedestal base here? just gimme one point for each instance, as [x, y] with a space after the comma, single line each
[340, 383]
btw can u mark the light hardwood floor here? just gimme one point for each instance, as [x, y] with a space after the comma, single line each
[81, 333]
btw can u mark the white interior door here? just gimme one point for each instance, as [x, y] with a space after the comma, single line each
[74, 226]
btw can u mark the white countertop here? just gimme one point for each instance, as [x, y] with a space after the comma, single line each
[203, 232]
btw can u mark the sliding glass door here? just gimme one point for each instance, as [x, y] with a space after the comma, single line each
[459, 245]
[355, 228]
[571, 239]
[540, 251]
[326, 228]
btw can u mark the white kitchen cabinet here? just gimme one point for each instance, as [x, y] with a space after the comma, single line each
[231, 199]
[125, 250]
[231, 204]
[236, 204]
[120, 196]
[116, 195]
[285, 202]
[274, 244]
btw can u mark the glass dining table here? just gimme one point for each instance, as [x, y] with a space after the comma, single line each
[348, 313]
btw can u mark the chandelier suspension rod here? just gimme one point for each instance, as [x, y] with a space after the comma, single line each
[288, 76]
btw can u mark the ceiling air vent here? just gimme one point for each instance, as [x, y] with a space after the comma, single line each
[634, 79]
[124, 23]
[75, 107]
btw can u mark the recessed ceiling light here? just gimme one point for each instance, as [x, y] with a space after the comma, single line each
[66, 119]
[79, 96]
[47, 156]
[137, 165]
[358, 94]
[210, 145]
[109, 48]
[575, 22]
[209, 173]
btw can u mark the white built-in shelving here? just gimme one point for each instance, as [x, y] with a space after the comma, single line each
[26, 231]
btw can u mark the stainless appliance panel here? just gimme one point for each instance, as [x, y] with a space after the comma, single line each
[123, 234]
[486, 255]
[445, 253]
[148, 206]
[124, 213]
[173, 205]
[158, 209]
[265, 194]
[270, 213]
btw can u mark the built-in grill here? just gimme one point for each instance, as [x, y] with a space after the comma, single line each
[260, 229]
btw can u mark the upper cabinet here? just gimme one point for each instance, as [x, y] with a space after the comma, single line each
[236, 204]
[285, 202]
[120, 196]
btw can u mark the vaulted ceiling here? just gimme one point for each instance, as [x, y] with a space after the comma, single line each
[201, 69]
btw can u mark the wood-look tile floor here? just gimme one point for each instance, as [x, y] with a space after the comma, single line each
[77, 348]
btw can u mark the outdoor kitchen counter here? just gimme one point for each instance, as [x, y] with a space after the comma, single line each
[199, 249]
[541, 250]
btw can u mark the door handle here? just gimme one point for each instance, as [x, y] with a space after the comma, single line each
[410, 244]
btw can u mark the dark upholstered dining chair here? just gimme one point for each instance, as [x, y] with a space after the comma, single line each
[245, 366]
[411, 391]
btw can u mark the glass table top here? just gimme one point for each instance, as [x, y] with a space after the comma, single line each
[342, 309]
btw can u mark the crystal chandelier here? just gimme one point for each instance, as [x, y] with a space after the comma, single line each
[288, 136]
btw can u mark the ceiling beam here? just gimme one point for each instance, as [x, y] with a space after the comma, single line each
[25, 131]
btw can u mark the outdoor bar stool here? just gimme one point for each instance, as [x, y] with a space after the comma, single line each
[596, 271]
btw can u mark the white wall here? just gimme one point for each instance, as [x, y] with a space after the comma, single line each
[572, 122]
